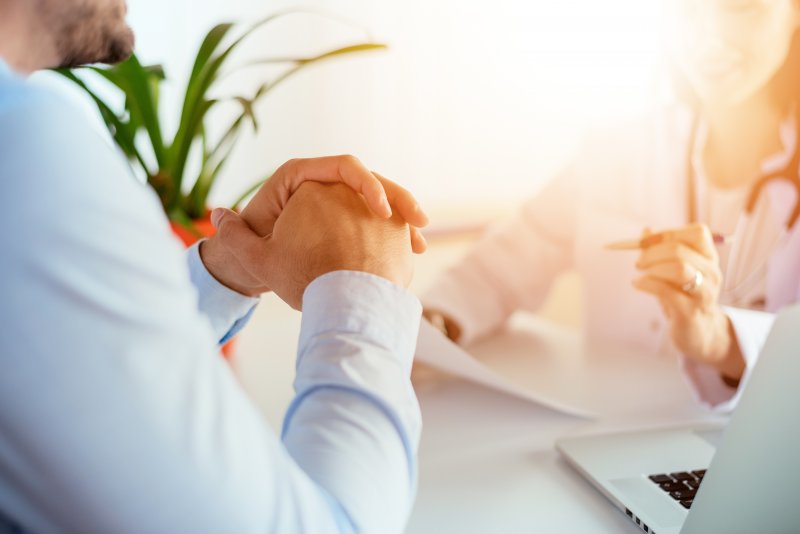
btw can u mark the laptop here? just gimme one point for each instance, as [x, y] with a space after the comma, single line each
[700, 479]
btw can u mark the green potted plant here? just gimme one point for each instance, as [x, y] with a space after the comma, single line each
[137, 129]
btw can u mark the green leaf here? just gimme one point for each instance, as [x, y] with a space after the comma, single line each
[122, 132]
[202, 187]
[210, 43]
[249, 191]
[204, 74]
[180, 217]
[195, 124]
[356, 48]
[214, 159]
[140, 86]
[194, 103]
[142, 102]
[247, 110]
[248, 104]
[301, 64]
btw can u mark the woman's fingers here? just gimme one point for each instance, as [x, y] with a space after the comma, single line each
[668, 251]
[671, 252]
[680, 276]
[674, 301]
[694, 236]
[681, 270]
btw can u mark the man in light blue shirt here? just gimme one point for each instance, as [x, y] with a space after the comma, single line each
[116, 412]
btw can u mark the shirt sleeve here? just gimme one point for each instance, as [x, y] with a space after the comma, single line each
[513, 266]
[118, 413]
[357, 343]
[227, 310]
[751, 329]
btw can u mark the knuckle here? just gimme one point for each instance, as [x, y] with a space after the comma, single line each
[224, 228]
[290, 164]
[686, 271]
[349, 160]
[705, 234]
[674, 247]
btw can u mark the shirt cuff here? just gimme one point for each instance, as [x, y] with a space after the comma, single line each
[751, 329]
[226, 309]
[375, 309]
[359, 333]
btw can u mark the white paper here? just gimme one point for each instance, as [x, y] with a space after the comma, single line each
[551, 366]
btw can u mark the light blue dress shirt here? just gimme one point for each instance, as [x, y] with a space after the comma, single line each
[117, 413]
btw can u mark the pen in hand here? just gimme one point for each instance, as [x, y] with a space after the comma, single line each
[654, 239]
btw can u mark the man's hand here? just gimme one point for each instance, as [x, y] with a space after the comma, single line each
[683, 272]
[322, 228]
[383, 197]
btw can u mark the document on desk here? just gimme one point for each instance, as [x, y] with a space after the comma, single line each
[552, 366]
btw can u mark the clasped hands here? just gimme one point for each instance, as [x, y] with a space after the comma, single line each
[315, 216]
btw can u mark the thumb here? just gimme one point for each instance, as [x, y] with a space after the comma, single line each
[239, 239]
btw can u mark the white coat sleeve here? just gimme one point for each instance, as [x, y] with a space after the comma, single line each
[513, 266]
[751, 328]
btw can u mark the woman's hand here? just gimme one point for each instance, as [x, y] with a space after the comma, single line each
[682, 270]
[423, 375]
[443, 323]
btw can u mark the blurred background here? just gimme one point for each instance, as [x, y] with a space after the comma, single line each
[473, 107]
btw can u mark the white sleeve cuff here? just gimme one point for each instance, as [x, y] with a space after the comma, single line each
[226, 309]
[751, 328]
[375, 309]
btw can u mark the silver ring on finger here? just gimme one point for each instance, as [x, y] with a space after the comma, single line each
[693, 286]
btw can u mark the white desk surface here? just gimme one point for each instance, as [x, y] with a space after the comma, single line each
[487, 462]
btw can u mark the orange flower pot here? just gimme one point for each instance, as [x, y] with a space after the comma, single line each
[188, 238]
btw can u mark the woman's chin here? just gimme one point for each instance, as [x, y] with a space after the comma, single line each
[725, 92]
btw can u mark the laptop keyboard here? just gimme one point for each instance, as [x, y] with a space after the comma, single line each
[681, 486]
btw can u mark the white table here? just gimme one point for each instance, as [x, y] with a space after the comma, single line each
[487, 463]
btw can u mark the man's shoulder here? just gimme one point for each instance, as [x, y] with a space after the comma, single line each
[24, 101]
[45, 137]
[56, 164]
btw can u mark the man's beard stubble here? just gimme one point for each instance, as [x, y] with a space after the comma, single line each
[89, 31]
